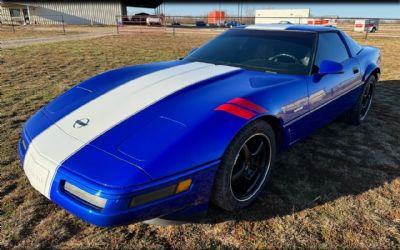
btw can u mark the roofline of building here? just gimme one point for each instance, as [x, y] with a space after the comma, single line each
[134, 3]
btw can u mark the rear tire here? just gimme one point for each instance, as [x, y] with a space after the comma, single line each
[245, 166]
[357, 114]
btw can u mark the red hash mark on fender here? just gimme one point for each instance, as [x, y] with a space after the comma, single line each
[248, 104]
[235, 110]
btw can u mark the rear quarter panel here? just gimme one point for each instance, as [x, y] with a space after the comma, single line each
[369, 59]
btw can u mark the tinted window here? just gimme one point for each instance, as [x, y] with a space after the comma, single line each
[330, 47]
[287, 52]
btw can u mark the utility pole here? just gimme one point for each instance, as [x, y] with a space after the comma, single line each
[238, 11]
[241, 12]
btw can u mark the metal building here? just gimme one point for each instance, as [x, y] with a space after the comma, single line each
[98, 12]
[268, 16]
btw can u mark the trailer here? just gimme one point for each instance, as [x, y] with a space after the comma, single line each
[216, 18]
[328, 22]
[153, 20]
[366, 25]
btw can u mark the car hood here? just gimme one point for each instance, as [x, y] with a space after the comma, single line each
[159, 117]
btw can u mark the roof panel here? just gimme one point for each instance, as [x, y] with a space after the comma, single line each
[268, 26]
[288, 27]
[143, 3]
[311, 28]
[134, 3]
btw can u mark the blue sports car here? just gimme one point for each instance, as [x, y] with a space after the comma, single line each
[165, 139]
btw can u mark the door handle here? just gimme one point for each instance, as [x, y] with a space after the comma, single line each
[355, 70]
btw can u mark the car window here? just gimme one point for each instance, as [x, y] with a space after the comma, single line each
[354, 47]
[330, 47]
[286, 52]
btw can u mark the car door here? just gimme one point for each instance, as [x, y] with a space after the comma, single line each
[330, 94]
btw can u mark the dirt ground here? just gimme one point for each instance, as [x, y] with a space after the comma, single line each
[338, 187]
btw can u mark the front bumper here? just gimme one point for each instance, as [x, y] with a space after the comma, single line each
[116, 211]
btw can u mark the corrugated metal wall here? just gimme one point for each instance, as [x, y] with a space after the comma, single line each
[5, 16]
[74, 12]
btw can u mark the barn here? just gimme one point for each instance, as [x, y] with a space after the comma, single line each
[85, 12]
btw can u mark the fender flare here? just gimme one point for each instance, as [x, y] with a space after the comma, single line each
[277, 125]
[371, 69]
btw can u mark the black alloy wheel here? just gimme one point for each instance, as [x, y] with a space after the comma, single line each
[357, 114]
[366, 99]
[250, 167]
[245, 166]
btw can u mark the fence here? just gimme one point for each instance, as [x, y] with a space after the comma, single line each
[174, 25]
[201, 24]
[141, 23]
[16, 22]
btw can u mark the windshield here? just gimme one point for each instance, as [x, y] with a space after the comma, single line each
[284, 52]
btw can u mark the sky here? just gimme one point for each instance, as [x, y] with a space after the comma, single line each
[386, 10]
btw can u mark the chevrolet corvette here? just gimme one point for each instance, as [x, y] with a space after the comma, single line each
[166, 139]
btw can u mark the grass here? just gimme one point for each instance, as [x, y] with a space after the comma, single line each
[338, 187]
[25, 32]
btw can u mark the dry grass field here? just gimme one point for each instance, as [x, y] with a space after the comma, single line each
[22, 32]
[338, 187]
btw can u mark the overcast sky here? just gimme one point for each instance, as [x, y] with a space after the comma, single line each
[343, 10]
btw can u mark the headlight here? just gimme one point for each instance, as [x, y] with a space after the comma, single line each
[160, 193]
[85, 196]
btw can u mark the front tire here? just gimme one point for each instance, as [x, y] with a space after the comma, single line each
[357, 114]
[245, 166]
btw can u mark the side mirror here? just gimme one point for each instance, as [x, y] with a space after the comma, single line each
[330, 67]
[191, 51]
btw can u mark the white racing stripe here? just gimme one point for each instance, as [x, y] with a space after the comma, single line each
[53, 146]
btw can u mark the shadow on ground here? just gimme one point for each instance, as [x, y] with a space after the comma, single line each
[338, 160]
